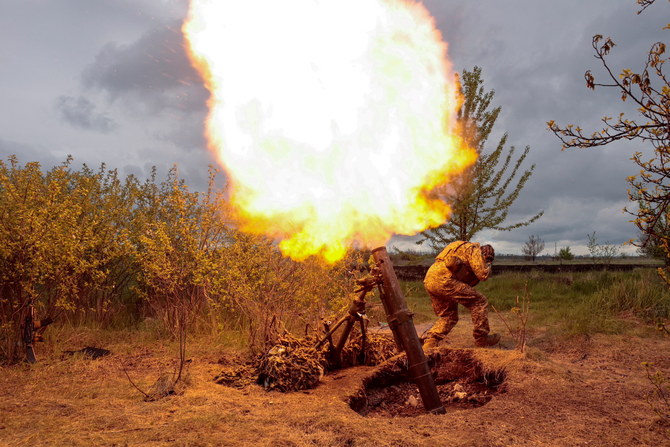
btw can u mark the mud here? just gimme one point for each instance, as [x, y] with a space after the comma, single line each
[462, 382]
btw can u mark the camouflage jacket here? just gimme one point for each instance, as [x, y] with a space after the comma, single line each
[462, 261]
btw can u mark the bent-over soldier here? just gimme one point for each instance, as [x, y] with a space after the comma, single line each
[450, 281]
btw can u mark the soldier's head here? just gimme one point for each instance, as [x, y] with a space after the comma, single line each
[488, 253]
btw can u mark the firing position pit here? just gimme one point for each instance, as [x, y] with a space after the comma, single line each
[462, 382]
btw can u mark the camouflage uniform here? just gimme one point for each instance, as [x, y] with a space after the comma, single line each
[449, 287]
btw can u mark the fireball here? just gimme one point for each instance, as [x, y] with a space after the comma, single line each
[333, 119]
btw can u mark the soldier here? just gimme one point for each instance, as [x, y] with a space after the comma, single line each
[450, 281]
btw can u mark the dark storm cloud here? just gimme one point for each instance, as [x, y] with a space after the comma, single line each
[80, 112]
[153, 71]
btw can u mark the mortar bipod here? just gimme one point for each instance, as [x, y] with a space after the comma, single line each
[356, 313]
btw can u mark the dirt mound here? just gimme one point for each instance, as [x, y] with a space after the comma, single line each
[237, 376]
[462, 381]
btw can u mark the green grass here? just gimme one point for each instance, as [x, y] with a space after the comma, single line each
[570, 303]
[418, 301]
[635, 260]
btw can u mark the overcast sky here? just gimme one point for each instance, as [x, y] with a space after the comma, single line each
[108, 81]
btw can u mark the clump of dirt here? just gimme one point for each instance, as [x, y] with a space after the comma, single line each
[237, 376]
[462, 382]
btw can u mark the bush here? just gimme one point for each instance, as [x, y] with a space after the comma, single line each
[89, 247]
[565, 254]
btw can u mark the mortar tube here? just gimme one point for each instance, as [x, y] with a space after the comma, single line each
[400, 321]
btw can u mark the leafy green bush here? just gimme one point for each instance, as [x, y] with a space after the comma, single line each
[90, 247]
[565, 254]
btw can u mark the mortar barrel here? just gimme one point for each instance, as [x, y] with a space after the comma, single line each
[400, 321]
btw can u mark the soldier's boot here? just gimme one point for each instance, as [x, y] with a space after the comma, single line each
[488, 340]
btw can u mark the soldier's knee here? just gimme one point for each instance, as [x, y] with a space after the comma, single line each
[449, 314]
[481, 301]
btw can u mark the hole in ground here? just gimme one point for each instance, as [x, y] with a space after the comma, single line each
[462, 382]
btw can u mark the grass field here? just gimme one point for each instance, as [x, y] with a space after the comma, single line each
[420, 258]
[570, 303]
[634, 260]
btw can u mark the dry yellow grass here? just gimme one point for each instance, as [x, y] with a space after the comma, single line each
[583, 392]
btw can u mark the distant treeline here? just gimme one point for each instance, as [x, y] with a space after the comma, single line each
[418, 272]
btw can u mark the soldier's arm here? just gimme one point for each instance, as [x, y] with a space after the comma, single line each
[479, 266]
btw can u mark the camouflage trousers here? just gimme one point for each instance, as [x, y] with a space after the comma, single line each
[445, 296]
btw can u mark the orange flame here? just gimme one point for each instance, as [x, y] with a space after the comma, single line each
[333, 119]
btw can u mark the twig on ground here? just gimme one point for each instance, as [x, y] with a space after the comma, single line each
[133, 383]
[659, 398]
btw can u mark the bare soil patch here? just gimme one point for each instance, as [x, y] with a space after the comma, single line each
[462, 382]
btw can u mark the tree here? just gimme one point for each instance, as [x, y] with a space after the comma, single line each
[481, 196]
[104, 267]
[603, 252]
[533, 247]
[649, 90]
[273, 294]
[565, 254]
[178, 247]
[29, 200]
[651, 244]
[63, 248]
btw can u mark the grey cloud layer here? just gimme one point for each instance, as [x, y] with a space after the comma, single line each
[153, 69]
[80, 112]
